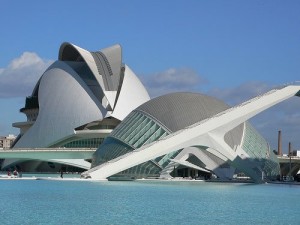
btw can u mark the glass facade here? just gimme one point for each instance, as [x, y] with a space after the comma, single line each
[110, 149]
[136, 130]
[259, 150]
[84, 143]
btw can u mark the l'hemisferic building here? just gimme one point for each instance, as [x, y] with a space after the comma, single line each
[173, 113]
[93, 100]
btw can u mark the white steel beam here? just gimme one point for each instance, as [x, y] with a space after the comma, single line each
[215, 126]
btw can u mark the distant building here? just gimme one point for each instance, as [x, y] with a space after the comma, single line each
[6, 142]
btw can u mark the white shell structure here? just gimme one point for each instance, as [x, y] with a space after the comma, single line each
[65, 102]
[81, 96]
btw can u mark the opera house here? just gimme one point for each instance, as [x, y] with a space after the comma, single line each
[93, 100]
[76, 103]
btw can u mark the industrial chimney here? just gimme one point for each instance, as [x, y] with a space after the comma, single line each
[279, 144]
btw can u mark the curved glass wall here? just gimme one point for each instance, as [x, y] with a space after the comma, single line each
[259, 150]
[136, 130]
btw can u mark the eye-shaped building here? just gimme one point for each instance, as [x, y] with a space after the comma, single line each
[171, 113]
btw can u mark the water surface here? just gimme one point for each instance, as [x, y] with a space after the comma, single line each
[147, 202]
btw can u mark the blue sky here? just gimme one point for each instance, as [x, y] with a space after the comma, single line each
[233, 50]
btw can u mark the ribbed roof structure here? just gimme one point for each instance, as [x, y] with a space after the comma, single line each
[179, 110]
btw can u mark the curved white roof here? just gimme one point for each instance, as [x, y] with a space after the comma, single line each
[105, 65]
[132, 94]
[65, 102]
[80, 88]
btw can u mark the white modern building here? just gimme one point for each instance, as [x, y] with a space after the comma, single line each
[186, 134]
[93, 100]
[76, 103]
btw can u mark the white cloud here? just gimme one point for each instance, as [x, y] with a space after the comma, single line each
[241, 93]
[173, 80]
[20, 76]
